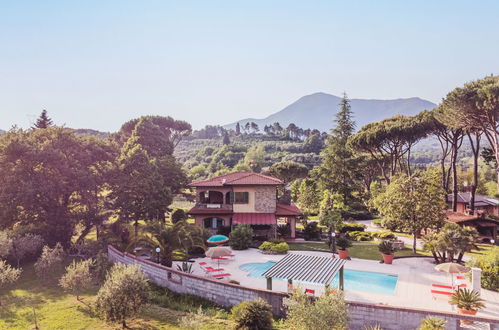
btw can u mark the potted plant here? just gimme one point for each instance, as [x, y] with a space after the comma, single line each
[468, 302]
[386, 248]
[343, 244]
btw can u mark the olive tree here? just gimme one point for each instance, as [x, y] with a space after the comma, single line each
[123, 294]
[8, 274]
[328, 312]
[77, 277]
[26, 245]
[49, 261]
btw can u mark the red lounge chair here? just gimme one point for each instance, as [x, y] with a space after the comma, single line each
[446, 293]
[442, 286]
[213, 270]
[219, 276]
[460, 277]
[309, 292]
[219, 258]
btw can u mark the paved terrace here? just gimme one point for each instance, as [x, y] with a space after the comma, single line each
[415, 276]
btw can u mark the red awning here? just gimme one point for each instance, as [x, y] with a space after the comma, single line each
[254, 218]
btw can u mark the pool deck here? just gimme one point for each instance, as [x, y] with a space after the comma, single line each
[415, 276]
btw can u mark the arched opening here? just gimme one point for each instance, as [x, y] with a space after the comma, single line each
[211, 197]
[229, 197]
[213, 223]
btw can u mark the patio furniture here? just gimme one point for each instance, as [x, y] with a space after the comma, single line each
[209, 270]
[218, 239]
[220, 276]
[452, 268]
[310, 292]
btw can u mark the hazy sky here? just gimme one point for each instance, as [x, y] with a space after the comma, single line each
[97, 64]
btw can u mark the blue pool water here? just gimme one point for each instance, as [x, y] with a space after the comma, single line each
[354, 279]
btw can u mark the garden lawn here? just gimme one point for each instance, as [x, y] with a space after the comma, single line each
[364, 250]
[482, 249]
[56, 309]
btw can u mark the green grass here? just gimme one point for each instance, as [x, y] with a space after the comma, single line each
[482, 249]
[56, 309]
[363, 250]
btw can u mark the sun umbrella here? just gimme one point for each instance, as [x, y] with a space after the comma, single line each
[452, 268]
[218, 239]
[217, 252]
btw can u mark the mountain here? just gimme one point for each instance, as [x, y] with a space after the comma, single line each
[318, 111]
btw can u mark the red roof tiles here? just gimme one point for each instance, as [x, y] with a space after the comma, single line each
[238, 178]
[286, 209]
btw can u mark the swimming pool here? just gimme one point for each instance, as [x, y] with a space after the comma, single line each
[354, 279]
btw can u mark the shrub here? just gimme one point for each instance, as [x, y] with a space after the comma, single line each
[466, 299]
[123, 294]
[185, 267]
[253, 315]
[348, 227]
[280, 247]
[489, 263]
[312, 231]
[276, 240]
[194, 321]
[178, 215]
[77, 277]
[386, 248]
[325, 313]
[284, 230]
[240, 237]
[432, 323]
[343, 243]
[49, 261]
[385, 235]
[360, 236]
[8, 274]
[265, 246]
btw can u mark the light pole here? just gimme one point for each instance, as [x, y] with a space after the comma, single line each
[158, 250]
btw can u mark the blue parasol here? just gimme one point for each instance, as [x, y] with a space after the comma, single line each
[218, 239]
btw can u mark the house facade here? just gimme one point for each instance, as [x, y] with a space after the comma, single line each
[483, 219]
[483, 204]
[243, 198]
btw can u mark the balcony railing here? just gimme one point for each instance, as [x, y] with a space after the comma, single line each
[213, 206]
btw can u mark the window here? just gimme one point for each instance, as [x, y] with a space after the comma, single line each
[241, 197]
[213, 223]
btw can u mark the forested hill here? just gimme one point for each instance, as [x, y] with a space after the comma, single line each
[317, 111]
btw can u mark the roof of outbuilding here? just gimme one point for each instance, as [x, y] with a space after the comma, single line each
[306, 268]
[287, 209]
[236, 179]
[480, 200]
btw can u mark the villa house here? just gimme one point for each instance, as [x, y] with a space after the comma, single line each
[484, 217]
[243, 198]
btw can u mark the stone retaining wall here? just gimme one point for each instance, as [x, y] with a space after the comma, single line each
[222, 293]
[397, 318]
[226, 294]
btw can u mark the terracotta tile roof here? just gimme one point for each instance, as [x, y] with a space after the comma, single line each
[285, 209]
[459, 217]
[254, 218]
[237, 178]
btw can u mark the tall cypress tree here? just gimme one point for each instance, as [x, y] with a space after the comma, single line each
[339, 172]
[43, 121]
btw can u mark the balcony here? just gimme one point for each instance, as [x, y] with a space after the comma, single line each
[213, 206]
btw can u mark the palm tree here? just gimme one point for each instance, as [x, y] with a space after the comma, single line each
[180, 236]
